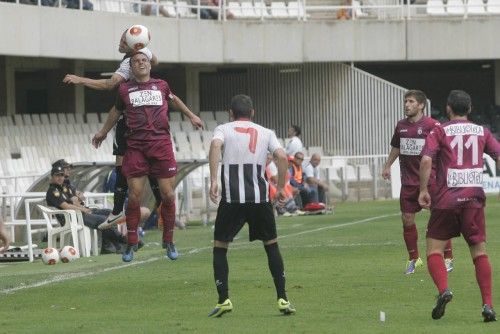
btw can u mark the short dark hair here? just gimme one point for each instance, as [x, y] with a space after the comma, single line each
[242, 106]
[418, 95]
[460, 102]
[136, 53]
[297, 130]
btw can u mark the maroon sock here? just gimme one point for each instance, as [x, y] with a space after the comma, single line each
[410, 235]
[483, 277]
[437, 269]
[448, 251]
[133, 214]
[168, 215]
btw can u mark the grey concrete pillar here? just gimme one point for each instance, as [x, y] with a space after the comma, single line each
[10, 82]
[193, 89]
[79, 70]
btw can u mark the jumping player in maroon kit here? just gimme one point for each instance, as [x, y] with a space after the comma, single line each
[407, 142]
[458, 205]
[149, 147]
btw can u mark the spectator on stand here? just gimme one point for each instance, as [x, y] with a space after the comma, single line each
[297, 180]
[295, 144]
[312, 175]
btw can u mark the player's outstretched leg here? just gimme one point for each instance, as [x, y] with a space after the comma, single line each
[120, 194]
[277, 268]
[440, 307]
[168, 215]
[133, 217]
[488, 313]
[221, 277]
[448, 256]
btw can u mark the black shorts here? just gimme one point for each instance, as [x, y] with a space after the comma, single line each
[120, 142]
[232, 216]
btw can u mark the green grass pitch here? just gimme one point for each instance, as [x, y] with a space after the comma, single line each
[342, 270]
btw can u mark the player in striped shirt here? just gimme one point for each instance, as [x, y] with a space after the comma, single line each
[244, 196]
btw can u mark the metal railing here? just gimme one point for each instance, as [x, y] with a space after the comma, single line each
[299, 10]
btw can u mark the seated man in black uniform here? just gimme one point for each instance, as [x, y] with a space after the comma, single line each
[59, 196]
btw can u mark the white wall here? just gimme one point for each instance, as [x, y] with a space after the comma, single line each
[62, 33]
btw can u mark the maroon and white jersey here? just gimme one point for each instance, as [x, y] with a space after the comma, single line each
[146, 109]
[457, 149]
[244, 158]
[409, 138]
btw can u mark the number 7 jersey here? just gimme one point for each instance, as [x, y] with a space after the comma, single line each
[457, 148]
[244, 153]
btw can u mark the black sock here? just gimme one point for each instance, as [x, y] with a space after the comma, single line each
[221, 273]
[155, 188]
[121, 188]
[277, 268]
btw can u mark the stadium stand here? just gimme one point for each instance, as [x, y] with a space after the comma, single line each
[175, 116]
[279, 10]
[476, 7]
[493, 7]
[455, 7]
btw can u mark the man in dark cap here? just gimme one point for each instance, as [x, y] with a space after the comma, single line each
[69, 189]
[59, 197]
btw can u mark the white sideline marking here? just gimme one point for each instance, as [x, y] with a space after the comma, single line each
[68, 276]
[65, 277]
[362, 221]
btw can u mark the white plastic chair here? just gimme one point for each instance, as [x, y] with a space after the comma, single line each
[295, 9]
[278, 10]
[476, 7]
[435, 8]
[207, 116]
[175, 126]
[175, 116]
[170, 7]
[247, 10]
[222, 117]
[235, 9]
[92, 118]
[53, 118]
[83, 239]
[187, 126]
[358, 12]
[18, 119]
[210, 125]
[455, 7]
[27, 119]
[261, 9]
[493, 7]
[62, 118]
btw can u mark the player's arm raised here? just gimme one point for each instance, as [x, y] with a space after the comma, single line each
[178, 104]
[97, 84]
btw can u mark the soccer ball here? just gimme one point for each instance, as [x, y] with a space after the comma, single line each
[50, 256]
[68, 254]
[137, 37]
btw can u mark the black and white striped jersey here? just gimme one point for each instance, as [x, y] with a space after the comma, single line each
[244, 160]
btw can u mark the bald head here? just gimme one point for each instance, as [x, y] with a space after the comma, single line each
[315, 159]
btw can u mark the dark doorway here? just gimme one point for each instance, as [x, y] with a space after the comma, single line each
[37, 101]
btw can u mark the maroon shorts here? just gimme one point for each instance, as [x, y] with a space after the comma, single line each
[408, 198]
[154, 158]
[445, 224]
